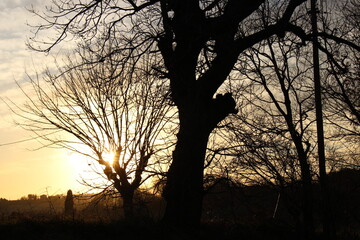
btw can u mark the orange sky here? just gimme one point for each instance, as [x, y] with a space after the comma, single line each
[23, 170]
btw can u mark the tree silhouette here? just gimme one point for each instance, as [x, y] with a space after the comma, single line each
[200, 42]
[341, 81]
[275, 127]
[271, 139]
[103, 109]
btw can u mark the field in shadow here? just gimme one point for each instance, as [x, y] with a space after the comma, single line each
[248, 212]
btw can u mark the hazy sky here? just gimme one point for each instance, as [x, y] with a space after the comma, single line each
[23, 170]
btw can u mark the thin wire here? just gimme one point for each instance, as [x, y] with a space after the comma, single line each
[20, 141]
[26, 140]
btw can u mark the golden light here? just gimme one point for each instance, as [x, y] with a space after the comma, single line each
[84, 167]
[108, 157]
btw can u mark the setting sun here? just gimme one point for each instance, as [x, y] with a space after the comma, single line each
[87, 169]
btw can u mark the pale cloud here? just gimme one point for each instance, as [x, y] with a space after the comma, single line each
[14, 55]
[10, 4]
[17, 162]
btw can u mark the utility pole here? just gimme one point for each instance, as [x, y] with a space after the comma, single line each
[328, 228]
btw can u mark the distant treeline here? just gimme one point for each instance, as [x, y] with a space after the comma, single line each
[225, 203]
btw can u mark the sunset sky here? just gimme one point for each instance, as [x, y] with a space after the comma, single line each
[23, 169]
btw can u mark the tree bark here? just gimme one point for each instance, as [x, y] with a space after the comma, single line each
[306, 182]
[307, 198]
[185, 178]
[184, 189]
[128, 204]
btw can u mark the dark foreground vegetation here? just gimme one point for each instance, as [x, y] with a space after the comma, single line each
[229, 212]
[64, 229]
[61, 229]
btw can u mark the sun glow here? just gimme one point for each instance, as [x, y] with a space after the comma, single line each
[87, 169]
[108, 157]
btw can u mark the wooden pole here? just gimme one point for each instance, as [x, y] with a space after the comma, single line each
[328, 227]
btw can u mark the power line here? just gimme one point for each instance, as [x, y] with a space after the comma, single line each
[26, 140]
[20, 141]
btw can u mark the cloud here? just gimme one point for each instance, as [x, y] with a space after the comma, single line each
[10, 4]
[15, 58]
[14, 55]
[14, 17]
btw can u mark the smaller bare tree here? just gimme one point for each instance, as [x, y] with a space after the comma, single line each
[111, 108]
[341, 84]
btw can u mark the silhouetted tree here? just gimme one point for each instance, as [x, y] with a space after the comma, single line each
[341, 81]
[278, 112]
[199, 42]
[273, 135]
[116, 116]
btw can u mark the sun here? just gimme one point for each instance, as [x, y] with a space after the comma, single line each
[108, 157]
[86, 168]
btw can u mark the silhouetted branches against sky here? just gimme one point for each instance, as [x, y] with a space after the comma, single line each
[105, 108]
[273, 86]
[201, 44]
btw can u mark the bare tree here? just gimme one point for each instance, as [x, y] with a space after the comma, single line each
[101, 110]
[341, 80]
[279, 114]
[280, 105]
[199, 42]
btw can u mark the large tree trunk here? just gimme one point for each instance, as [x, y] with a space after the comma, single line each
[185, 177]
[184, 189]
[307, 192]
[128, 204]
[307, 203]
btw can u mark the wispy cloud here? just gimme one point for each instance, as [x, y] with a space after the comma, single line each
[17, 163]
[14, 55]
[15, 58]
[10, 4]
